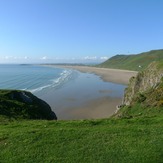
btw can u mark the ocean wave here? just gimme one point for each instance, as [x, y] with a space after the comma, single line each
[65, 75]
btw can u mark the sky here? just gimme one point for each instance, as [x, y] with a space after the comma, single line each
[55, 31]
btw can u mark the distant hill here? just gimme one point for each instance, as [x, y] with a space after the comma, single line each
[135, 62]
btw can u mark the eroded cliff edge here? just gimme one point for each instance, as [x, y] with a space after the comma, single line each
[143, 87]
[144, 94]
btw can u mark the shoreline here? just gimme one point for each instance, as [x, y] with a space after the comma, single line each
[101, 107]
[109, 75]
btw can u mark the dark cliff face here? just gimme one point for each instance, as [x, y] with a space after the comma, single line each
[22, 104]
[144, 86]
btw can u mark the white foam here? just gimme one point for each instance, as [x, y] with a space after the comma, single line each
[54, 83]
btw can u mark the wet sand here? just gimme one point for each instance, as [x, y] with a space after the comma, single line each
[95, 109]
[102, 107]
[109, 75]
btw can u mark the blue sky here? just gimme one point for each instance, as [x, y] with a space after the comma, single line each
[78, 30]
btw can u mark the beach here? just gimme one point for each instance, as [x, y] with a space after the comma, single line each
[100, 107]
[109, 75]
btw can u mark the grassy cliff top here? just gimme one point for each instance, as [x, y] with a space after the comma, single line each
[107, 140]
[135, 62]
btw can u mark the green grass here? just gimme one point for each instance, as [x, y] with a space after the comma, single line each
[107, 140]
[132, 62]
[138, 110]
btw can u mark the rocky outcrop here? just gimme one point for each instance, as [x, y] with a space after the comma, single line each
[22, 104]
[143, 84]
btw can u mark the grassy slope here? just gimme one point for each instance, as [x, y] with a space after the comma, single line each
[132, 62]
[107, 140]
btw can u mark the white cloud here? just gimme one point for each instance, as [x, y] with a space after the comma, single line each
[25, 57]
[44, 58]
[8, 57]
[104, 58]
[14, 58]
[90, 58]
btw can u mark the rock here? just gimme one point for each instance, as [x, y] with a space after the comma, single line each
[144, 82]
[21, 96]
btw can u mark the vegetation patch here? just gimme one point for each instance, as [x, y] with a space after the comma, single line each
[16, 104]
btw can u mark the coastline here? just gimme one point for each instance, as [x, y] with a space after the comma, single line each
[109, 75]
[102, 107]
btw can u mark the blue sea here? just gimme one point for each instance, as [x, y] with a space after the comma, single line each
[32, 78]
[60, 88]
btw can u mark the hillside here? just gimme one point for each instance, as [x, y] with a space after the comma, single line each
[135, 62]
[23, 105]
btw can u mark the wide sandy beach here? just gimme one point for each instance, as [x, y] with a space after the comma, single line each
[98, 108]
[109, 75]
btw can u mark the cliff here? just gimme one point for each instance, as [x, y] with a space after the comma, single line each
[146, 88]
[24, 105]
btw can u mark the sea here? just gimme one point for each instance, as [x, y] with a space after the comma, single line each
[59, 87]
[33, 78]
